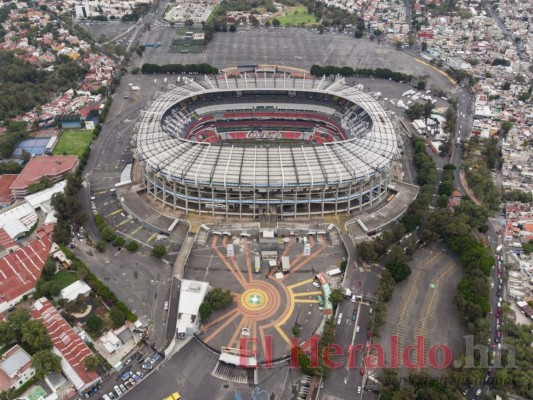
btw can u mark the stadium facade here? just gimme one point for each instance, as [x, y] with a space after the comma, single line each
[250, 144]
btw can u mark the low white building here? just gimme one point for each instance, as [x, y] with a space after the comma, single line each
[72, 291]
[192, 294]
[110, 342]
[15, 368]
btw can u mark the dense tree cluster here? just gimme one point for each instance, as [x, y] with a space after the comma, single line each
[15, 131]
[10, 167]
[419, 385]
[482, 156]
[69, 211]
[138, 11]
[519, 196]
[380, 73]
[24, 86]
[178, 69]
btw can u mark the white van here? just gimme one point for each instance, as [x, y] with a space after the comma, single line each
[340, 319]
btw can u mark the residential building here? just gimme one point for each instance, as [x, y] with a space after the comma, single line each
[15, 368]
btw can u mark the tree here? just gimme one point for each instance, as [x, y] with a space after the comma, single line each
[119, 241]
[11, 330]
[49, 269]
[117, 316]
[358, 34]
[233, 28]
[205, 311]
[428, 109]
[35, 337]
[399, 270]
[108, 233]
[135, 70]
[366, 251]
[276, 23]
[506, 127]
[415, 111]
[132, 246]
[398, 44]
[91, 362]
[100, 246]
[424, 46]
[45, 362]
[335, 297]
[159, 251]
[189, 22]
[219, 298]
[95, 324]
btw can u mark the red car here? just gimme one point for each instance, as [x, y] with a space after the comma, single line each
[362, 371]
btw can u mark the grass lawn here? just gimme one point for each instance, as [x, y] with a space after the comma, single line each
[296, 16]
[64, 278]
[73, 142]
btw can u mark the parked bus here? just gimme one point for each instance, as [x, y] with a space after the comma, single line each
[285, 264]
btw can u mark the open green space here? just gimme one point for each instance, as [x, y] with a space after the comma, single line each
[64, 278]
[183, 44]
[296, 16]
[73, 142]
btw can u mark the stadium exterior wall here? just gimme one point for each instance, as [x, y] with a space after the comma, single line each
[333, 178]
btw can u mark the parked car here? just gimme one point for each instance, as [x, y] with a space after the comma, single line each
[118, 391]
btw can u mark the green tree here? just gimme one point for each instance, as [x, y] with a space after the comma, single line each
[233, 28]
[100, 246]
[205, 311]
[108, 233]
[95, 324]
[276, 23]
[91, 362]
[399, 270]
[219, 298]
[49, 269]
[159, 251]
[35, 337]
[424, 46]
[117, 316]
[366, 251]
[132, 246]
[11, 330]
[119, 241]
[45, 362]
[335, 297]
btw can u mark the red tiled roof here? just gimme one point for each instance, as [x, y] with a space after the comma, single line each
[38, 167]
[5, 240]
[65, 340]
[5, 187]
[20, 270]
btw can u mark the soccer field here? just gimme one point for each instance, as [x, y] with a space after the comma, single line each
[295, 16]
[73, 142]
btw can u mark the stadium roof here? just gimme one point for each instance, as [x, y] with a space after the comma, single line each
[260, 165]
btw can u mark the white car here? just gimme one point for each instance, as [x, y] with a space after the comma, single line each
[316, 284]
[340, 319]
[358, 389]
[478, 392]
[118, 391]
[357, 329]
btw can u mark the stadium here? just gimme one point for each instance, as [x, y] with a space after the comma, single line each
[243, 144]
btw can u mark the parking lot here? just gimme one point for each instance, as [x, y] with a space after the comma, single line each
[289, 46]
[423, 305]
